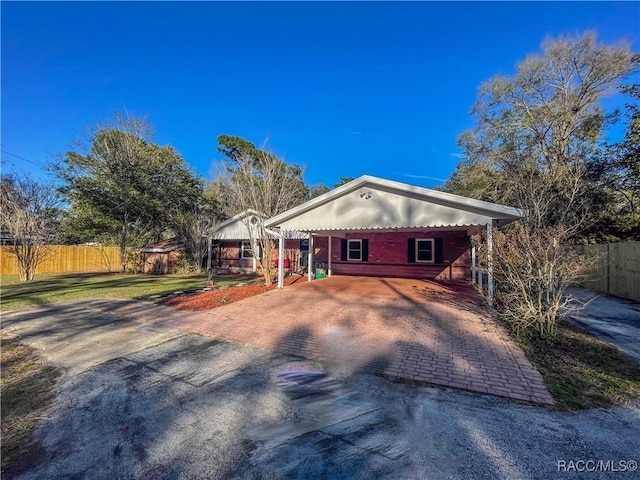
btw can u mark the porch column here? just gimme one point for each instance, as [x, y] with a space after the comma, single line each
[209, 241]
[310, 258]
[480, 277]
[329, 262]
[254, 250]
[280, 260]
[490, 263]
[473, 263]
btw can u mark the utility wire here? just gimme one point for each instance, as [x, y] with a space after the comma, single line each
[24, 159]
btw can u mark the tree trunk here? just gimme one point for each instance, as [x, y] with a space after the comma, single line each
[123, 244]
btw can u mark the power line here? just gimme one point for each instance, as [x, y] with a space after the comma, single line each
[25, 159]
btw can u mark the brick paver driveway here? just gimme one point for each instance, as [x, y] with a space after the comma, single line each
[414, 329]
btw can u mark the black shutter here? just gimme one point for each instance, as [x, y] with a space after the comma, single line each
[365, 250]
[411, 249]
[343, 250]
[240, 249]
[438, 247]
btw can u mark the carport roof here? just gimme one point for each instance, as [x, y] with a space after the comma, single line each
[371, 203]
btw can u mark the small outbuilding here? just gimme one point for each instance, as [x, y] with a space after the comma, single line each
[161, 258]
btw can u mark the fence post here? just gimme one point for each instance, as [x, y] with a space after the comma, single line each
[608, 268]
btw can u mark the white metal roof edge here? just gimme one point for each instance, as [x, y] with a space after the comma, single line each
[237, 217]
[391, 229]
[397, 186]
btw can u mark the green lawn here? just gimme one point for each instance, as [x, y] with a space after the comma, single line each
[49, 288]
[582, 371]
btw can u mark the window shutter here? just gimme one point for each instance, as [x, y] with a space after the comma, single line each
[343, 250]
[240, 249]
[411, 249]
[438, 248]
[365, 250]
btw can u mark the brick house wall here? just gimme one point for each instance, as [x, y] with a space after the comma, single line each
[388, 256]
[228, 252]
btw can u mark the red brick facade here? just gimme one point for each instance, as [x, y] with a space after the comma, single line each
[388, 255]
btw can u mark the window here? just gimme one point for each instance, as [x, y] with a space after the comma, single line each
[245, 250]
[355, 250]
[424, 250]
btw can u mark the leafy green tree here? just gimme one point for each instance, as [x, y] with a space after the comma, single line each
[317, 190]
[124, 186]
[617, 171]
[342, 181]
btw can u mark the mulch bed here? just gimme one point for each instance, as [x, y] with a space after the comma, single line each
[222, 296]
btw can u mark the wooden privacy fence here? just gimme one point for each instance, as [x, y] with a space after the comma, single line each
[617, 271]
[68, 259]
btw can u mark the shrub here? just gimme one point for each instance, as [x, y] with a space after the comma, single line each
[533, 271]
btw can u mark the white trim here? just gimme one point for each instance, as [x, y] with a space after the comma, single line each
[500, 212]
[433, 250]
[490, 264]
[242, 249]
[329, 257]
[310, 258]
[473, 264]
[281, 260]
[349, 259]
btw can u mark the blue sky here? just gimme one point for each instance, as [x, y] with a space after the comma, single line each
[343, 89]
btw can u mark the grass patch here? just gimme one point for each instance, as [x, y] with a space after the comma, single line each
[27, 389]
[582, 371]
[61, 288]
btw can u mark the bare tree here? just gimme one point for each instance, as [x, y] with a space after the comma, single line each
[258, 180]
[534, 269]
[192, 228]
[29, 211]
[534, 135]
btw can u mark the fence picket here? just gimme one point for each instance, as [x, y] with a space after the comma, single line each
[617, 271]
[67, 259]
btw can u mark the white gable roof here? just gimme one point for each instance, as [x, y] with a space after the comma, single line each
[239, 227]
[375, 203]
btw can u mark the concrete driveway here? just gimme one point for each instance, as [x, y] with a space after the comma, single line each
[436, 332]
[192, 407]
[611, 319]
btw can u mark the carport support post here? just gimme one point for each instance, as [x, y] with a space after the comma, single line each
[329, 258]
[280, 260]
[490, 263]
[254, 252]
[473, 264]
[310, 263]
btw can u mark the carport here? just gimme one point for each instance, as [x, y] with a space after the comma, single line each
[378, 227]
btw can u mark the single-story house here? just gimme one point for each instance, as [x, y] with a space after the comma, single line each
[234, 247]
[376, 227]
[161, 257]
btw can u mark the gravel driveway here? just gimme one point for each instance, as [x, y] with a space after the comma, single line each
[192, 407]
[611, 319]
